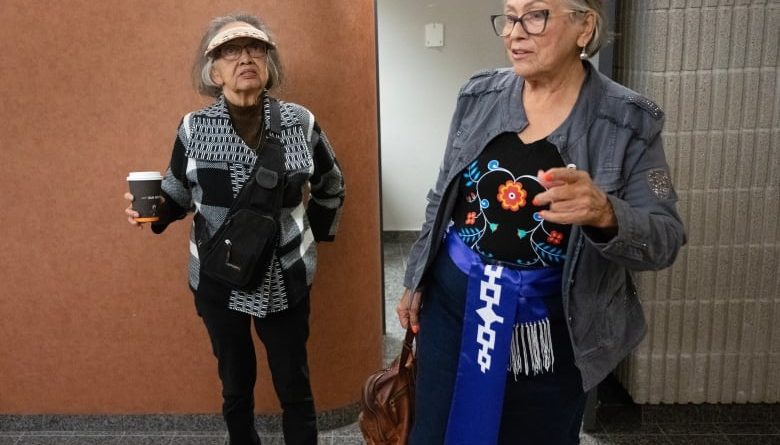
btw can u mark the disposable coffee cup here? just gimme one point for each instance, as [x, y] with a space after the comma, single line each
[145, 188]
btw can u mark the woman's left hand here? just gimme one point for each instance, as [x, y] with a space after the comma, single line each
[574, 199]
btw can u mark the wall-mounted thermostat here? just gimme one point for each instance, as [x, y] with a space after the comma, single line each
[434, 35]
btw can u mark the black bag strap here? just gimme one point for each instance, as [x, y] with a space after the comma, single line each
[275, 117]
[265, 188]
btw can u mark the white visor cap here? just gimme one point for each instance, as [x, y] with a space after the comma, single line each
[236, 32]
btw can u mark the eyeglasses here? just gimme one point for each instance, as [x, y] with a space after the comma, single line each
[533, 22]
[231, 51]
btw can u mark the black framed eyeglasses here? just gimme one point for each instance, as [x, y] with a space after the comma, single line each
[533, 22]
[232, 51]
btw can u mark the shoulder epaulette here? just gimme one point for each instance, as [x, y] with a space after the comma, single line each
[645, 104]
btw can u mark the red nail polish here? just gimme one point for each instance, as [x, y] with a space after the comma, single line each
[415, 328]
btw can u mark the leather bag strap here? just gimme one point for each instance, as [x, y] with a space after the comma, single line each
[407, 352]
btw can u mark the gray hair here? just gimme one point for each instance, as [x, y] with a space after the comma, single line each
[601, 35]
[201, 69]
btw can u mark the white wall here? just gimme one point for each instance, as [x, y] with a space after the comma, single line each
[417, 91]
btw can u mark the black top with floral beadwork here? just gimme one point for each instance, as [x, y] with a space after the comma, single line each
[494, 213]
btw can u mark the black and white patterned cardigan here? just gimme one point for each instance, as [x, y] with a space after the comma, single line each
[209, 165]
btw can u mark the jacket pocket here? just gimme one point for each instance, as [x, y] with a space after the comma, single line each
[458, 141]
[615, 317]
[610, 180]
[623, 310]
[595, 300]
[460, 137]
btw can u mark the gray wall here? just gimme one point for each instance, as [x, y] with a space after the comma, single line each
[714, 317]
[417, 91]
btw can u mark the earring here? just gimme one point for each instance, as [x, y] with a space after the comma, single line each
[583, 54]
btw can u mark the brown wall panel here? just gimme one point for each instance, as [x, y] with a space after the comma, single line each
[97, 316]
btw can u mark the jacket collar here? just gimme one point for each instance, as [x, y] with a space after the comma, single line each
[227, 145]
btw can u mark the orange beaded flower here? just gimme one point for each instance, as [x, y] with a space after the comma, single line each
[555, 238]
[511, 195]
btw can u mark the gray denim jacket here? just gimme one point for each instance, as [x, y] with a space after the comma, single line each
[614, 134]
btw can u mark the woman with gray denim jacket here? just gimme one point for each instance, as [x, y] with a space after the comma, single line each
[554, 188]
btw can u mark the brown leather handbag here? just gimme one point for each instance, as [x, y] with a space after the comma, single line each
[387, 406]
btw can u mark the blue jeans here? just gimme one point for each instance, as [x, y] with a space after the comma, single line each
[545, 409]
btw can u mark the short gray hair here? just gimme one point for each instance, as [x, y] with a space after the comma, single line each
[601, 35]
[201, 69]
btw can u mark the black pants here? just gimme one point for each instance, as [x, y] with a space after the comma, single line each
[284, 335]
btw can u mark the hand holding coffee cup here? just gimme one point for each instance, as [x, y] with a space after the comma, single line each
[145, 196]
[132, 214]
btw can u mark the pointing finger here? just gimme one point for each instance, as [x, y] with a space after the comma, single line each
[562, 175]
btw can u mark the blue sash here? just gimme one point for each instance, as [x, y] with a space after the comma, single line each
[505, 316]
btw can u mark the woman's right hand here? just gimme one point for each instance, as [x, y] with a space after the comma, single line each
[132, 214]
[408, 309]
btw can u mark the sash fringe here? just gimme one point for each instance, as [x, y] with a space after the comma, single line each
[532, 349]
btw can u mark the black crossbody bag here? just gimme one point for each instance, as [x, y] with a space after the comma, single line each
[240, 252]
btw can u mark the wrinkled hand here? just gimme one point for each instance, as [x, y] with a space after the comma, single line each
[574, 199]
[132, 214]
[408, 310]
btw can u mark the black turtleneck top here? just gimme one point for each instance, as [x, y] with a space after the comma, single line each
[248, 122]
